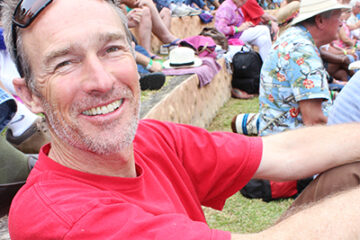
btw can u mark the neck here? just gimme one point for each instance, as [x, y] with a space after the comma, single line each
[120, 164]
[316, 34]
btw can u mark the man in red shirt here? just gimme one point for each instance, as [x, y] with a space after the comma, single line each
[254, 13]
[107, 175]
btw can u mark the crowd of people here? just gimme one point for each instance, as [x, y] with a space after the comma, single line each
[89, 168]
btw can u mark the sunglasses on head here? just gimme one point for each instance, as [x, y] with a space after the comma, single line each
[25, 13]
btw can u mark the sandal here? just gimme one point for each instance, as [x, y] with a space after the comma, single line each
[173, 43]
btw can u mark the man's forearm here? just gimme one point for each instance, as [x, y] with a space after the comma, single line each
[301, 153]
[336, 217]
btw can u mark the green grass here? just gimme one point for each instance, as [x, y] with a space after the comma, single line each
[240, 214]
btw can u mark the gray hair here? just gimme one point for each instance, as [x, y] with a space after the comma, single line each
[8, 8]
[354, 2]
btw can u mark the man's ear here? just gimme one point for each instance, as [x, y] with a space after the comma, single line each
[31, 100]
[319, 20]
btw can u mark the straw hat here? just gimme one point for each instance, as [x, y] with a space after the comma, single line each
[310, 8]
[182, 57]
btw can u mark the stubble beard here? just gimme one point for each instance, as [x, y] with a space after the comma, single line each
[74, 135]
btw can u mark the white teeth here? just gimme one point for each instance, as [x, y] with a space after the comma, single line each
[103, 109]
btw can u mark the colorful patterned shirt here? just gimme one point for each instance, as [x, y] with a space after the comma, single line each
[293, 72]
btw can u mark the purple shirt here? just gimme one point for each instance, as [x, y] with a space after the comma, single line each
[227, 16]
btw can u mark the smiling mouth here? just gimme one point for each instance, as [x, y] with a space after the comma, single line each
[104, 109]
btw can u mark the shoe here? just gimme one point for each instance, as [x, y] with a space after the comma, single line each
[179, 10]
[246, 123]
[237, 93]
[152, 81]
[192, 11]
[32, 139]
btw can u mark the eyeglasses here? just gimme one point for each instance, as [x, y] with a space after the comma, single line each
[25, 13]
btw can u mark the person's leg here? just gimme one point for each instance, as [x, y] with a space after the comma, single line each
[14, 165]
[337, 72]
[159, 28]
[143, 31]
[327, 183]
[165, 15]
[260, 37]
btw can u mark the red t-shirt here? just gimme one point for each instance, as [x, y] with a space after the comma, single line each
[179, 168]
[252, 11]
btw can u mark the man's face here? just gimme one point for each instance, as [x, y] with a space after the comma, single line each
[333, 24]
[356, 8]
[86, 75]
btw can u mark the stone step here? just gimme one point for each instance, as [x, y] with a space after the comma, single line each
[181, 27]
[182, 101]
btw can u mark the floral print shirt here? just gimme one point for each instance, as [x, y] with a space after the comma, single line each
[293, 72]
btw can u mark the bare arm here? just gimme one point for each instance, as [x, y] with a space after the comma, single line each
[301, 153]
[336, 217]
[311, 112]
[144, 61]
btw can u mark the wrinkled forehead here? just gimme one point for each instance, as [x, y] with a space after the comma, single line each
[67, 18]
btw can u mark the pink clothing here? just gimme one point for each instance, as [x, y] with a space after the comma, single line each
[206, 72]
[179, 169]
[339, 42]
[227, 16]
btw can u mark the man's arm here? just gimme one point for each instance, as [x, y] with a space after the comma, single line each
[301, 153]
[311, 112]
[336, 217]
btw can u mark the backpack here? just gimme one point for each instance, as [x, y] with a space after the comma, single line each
[270, 190]
[246, 70]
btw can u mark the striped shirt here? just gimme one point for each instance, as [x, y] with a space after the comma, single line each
[346, 106]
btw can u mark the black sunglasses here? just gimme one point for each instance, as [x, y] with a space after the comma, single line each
[25, 13]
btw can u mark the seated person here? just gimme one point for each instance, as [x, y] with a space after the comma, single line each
[294, 88]
[146, 20]
[353, 20]
[336, 64]
[108, 175]
[254, 13]
[230, 20]
[345, 43]
[15, 165]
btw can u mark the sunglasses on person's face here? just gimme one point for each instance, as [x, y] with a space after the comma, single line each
[25, 13]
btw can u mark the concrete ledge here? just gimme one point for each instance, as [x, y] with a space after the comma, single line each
[182, 101]
[181, 27]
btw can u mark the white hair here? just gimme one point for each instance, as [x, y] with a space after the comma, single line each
[354, 2]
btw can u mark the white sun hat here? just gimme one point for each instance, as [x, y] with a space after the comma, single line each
[310, 8]
[182, 57]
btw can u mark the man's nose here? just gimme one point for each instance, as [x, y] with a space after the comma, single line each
[98, 77]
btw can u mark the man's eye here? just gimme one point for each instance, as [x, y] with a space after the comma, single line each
[112, 49]
[62, 64]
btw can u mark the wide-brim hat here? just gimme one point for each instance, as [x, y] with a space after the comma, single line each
[182, 57]
[310, 8]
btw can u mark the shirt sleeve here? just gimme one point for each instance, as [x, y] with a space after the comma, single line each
[306, 74]
[219, 164]
[223, 21]
[252, 11]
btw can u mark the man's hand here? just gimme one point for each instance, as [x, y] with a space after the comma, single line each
[245, 25]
